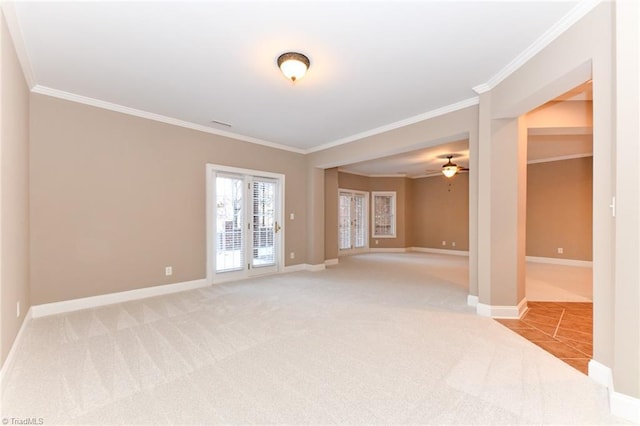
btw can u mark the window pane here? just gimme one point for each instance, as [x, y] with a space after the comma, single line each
[384, 214]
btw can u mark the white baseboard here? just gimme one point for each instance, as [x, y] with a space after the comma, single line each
[620, 405]
[330, 262]
[389, 250]
[315, 268]
[601, 374]
[8, 362]
[295, 268]
[557, 261]
[304, 267]
[624, 406]
[111, 298]
[504, 312]
[472, 300]
[439, 251]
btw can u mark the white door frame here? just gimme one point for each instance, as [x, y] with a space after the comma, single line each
[211, 170]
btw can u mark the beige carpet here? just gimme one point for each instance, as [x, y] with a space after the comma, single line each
[380, 338]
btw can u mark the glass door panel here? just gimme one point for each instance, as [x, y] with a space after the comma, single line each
[229, 213]
[352, 221]
[263, 223]
[359, 221]
[344, 221]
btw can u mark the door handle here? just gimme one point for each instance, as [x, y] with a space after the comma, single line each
[276, 227]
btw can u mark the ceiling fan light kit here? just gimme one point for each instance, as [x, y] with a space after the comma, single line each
[449, 169]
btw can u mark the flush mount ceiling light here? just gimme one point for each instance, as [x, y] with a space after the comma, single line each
[293, 65]
[450, 168]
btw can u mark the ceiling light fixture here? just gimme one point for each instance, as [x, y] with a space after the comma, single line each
[293, 65]
[450, 168]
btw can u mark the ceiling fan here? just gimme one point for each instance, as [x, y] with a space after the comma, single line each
[450, 169]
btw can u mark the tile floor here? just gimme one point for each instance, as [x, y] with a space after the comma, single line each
[564, 329]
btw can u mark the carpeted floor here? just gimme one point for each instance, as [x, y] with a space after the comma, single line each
[379, 338]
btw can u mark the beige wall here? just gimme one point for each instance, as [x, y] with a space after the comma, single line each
[440, 212]
[116, 198]
[560, 208]
[14, 193]
[429, 210]
[400, 185]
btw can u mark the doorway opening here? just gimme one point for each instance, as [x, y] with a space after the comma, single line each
[559, 277]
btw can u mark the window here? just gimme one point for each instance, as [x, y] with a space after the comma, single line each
[383, 210]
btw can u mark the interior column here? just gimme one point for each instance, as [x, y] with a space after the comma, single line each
[501, 213]
[315, 217]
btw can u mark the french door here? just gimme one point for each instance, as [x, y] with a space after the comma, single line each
[352, 221]
[244, 224]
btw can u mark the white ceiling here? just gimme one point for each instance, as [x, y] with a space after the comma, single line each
[373, 64]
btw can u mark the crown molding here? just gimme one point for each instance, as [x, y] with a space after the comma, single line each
[561, 158]
[396, 125]
[43, 90]
[9, 12]
[574, 15]
[482, 88]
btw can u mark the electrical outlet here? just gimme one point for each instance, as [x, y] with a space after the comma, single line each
[444, 243]
[376, 242]
[292, 216]
[18, 309]
[168, 271]
[453, 244]
[560, 250]
[292, 255]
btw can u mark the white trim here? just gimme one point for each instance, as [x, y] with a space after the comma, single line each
[557, 261]
[295, 268]
[396, 125]
[439, 251]
[561, 158]
[305, 267]
[8, 362]
[349, 172]
[388, 250]
[315, 268]
[351, 252]
[624, 406]
[397, 175]
[472, 300]
[600, 374]
[481, 88]
[573, 16]
[507, 312]
[54, 308]
[43, 90]
[9, 11]
[331, 262]
[620, 405]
